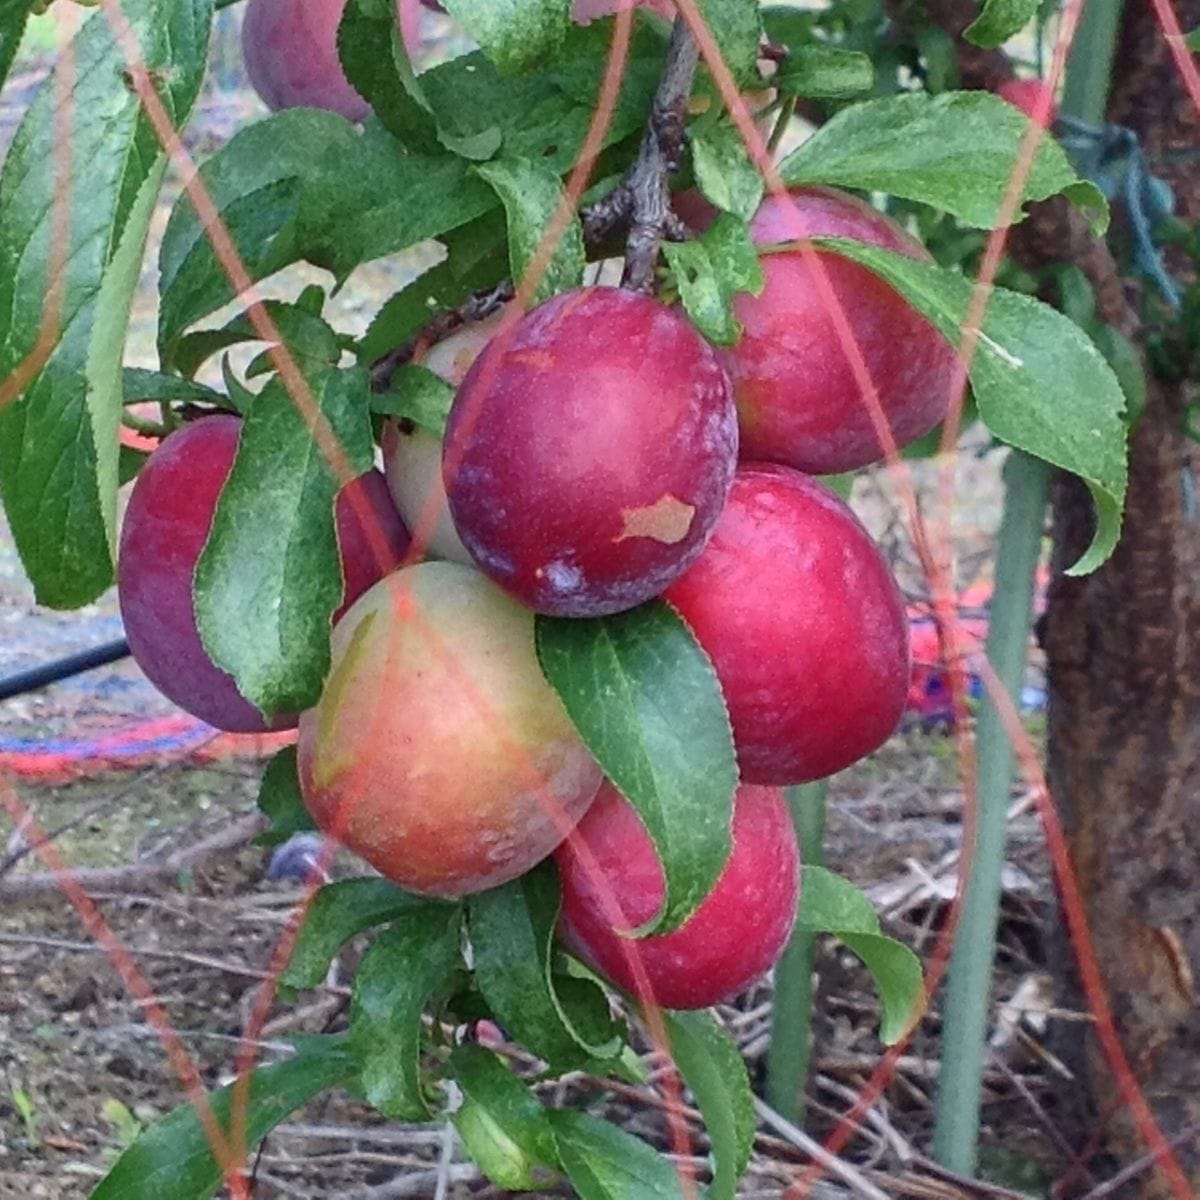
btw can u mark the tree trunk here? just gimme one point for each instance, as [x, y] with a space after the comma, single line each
[1123, 651]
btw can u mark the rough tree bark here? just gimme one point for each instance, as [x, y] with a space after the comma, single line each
[1123, 652]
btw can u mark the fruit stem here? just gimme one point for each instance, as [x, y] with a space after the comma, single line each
[968, 989]
[641, 202]
[791, 1027]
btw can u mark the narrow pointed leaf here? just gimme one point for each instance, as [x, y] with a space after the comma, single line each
[1040, 383]
[173, 1160]
[645, 699]
[714, 1070]
[272, 556]
[58, 437]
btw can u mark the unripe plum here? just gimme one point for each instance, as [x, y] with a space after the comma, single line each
[166, 524]
[1029, 95]
[589, 452]
[412, 456]
[733, 938]
[290, 48]
[798, 399]
[438, 752]
[804, 624]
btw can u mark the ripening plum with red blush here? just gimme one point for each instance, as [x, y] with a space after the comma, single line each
[731, 940]
[589, 452]
[290, 50]
[804, 623]
[438, 752]
[167, 522]
[798, 398]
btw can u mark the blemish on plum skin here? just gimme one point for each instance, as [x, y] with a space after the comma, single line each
[540, 360]
[667, 520]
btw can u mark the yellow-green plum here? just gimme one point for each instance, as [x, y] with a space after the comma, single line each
[438, 752]
[412, 455]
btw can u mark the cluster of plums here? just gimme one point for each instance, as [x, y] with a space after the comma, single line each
[591, 463]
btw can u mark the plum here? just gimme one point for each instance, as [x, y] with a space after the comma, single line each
[589, 452]
[438, 752]
[798, 400]
[804, 624]
[612, 882]
[413, 456]
[290, 49]
[166, 524]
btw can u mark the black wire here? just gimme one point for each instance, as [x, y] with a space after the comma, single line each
[63, 668]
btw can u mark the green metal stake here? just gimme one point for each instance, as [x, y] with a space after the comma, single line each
[791, 1029]
[970, 978]
[956, 1131]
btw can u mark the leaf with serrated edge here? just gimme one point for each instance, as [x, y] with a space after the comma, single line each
[503, 1125]
[824, 72]
[405, 964]
[531, 194]
[831, 904]
[173, 1158]
[515, 34]
[339, 911]
[417, 395]
[1000, 20]
[512, 939]
[714, 1070]
[606, 1163]
[724, 171]
[1040, 383]
[954, 152]
[645, 699]
[272, 557]
[58, 439]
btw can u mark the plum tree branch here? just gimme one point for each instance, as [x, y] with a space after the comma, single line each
[641, 202]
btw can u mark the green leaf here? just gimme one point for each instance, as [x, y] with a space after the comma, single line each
[173, 1158]
[898, 978]
[269, 579]
[368, 27]
[339, 911]
[954, 152]
[714, 1070]
[1192, 40]
[404, 966]
[710, 270]
[1000, 20]
[279, 797]
[606, 1163]
[1040, 384]
[504, 1127]
[279, 187]
[139, 386]
[418, 395]
[564, 1021]
[724, 172]
[645, 699]
[13, 15]
[820, 72]
[58, 439]
[476, 260]
[736, 25]
[531, 194]
[515, 34]
[306, 335]
[831, 904]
